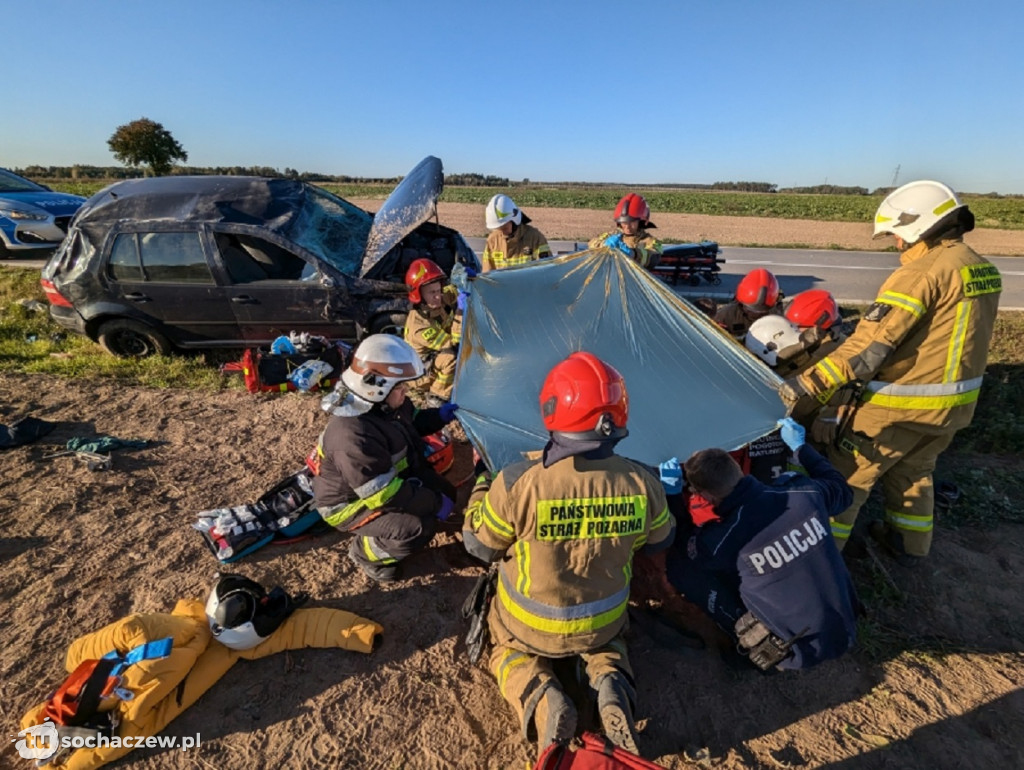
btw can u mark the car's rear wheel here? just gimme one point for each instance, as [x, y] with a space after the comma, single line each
[388, 323]
[131, 339]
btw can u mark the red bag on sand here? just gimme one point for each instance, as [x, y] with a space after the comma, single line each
[595, 753]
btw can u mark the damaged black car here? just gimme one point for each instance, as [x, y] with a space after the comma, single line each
[151, 265]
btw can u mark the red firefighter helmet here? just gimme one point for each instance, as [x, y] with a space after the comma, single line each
[420, 273]
[634, 206]
[814, 307]
[586, 398]
[759, 290]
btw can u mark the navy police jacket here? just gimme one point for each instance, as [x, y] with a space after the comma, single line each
[776, 542]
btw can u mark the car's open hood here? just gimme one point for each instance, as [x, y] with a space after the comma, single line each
[410, 204]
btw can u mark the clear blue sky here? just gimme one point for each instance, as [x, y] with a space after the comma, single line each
[790, 92]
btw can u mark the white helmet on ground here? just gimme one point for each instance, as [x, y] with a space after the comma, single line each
[770, 334]
[380, 362]
[242, 614]
[914, 209]
[501, 209]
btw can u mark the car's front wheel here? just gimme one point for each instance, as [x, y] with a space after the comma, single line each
[131, 339]
[388, 323]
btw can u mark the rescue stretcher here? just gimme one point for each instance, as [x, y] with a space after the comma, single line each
[690, 262]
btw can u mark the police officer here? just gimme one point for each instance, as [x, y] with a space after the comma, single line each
[766, 569]
[512, 240]
[374, 479]
[434, 326]
[756, 296]
[632, 221]
[564, 529]
[920, 351]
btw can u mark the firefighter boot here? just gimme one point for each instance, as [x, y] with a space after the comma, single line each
[555, 718]
[892, 542]
[616, 710]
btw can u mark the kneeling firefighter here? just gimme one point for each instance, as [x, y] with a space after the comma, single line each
[434, 326]
[373, 478]
[564, 529]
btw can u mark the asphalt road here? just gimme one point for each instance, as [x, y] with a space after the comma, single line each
[852, 276]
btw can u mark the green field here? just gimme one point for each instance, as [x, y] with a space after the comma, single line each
[997, 213]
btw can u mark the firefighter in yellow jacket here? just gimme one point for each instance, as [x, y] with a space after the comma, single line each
[565, 528]
[512, 239]
[434, 326]
[632, 221]
[920, 351]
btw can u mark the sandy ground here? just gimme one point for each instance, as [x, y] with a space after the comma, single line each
[936, 681]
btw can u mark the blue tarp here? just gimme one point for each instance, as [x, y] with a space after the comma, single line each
[690, 386]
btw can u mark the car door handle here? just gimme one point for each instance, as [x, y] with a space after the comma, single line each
[138, 297]
[245, 299]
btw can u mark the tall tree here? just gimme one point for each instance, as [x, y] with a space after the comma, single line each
[146, 142]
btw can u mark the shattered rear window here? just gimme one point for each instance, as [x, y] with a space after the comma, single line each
[333, 229]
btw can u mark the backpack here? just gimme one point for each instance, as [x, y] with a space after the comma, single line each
[265, 371]
[591, 752]
[76, 703]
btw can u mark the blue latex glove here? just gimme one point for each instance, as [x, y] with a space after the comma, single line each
[447, 506]
[671, 474]
[462, 300]
[616, 242]
[793, 433]
[471, 272]
[447, 410]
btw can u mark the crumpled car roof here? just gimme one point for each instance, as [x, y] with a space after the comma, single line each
[690, 386]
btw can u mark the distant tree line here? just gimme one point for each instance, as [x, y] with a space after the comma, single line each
[84, 172]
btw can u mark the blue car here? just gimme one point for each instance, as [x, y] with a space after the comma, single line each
[33, 218]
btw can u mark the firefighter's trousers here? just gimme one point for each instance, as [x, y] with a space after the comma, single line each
[524, 678]
[392, 537]
[902, 456]
[444, 374]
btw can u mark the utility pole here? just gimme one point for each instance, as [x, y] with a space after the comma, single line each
[895, 176]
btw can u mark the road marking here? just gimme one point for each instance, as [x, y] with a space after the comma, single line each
[818, 265]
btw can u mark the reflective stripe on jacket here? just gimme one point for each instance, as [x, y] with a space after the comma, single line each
[923, 345]
[568, 533]
[429, 330]
[374, 463]
[526, 244]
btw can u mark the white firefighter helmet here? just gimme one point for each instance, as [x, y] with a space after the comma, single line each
[380, 362]
[501, 209]
[770, 334]
[242, 614]
[915, 208]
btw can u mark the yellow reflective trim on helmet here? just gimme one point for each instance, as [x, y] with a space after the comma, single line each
[942, 208]
[882, 219]
[904, 301]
